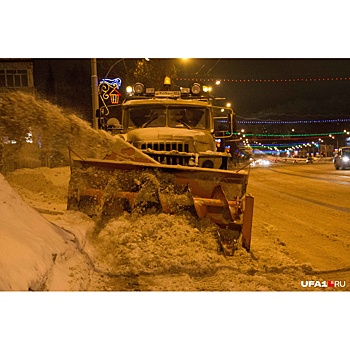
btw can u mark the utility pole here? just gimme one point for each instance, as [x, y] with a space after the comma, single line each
[94, 87]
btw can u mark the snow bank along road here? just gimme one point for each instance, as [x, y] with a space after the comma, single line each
[308, 205]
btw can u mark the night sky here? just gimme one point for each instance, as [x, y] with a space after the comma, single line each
[260, 89]
[300, 97]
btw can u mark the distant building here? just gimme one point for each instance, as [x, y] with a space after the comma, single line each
[16, 74]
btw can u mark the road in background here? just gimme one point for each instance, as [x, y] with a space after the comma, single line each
[308, 207]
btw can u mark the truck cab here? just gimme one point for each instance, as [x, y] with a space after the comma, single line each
[176, 127]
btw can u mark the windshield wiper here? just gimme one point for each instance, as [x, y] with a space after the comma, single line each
[150, 120]
[183, 123]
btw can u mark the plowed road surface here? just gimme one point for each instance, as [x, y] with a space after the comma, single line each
[309, 205]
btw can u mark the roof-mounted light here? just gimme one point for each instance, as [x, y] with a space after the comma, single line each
[167, 81]
[139, 88]
[206, 88]
[196, 88]
[129, 89]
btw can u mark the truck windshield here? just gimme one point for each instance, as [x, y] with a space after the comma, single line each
[156, 115]
[145, 116]
[188, 117]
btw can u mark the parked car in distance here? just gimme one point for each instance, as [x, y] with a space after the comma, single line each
[342, 158]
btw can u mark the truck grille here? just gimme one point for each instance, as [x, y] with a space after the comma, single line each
[164, 146]
[169, 159]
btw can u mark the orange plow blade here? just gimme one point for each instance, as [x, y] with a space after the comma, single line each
[106, 188]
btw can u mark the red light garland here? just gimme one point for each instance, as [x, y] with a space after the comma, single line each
[293, 80]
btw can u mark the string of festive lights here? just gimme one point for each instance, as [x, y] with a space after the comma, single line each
[279, 147]
[313, 146]
[290, 80]
[294, 135]
[284, 145]
[339, 120]
[275, 143]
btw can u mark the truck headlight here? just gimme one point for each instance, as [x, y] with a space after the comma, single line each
[345, 159]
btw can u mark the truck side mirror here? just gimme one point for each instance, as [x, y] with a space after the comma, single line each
[223, 122]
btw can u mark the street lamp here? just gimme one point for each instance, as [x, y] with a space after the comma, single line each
[113, 65]
[336, 140]
[94, 88]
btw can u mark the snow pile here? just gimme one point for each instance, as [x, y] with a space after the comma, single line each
[43, 132]
[158, 243]
[42, 188]
[182, 253]
[29, 244]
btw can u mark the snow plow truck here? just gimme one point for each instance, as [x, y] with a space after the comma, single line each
[169, 155]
